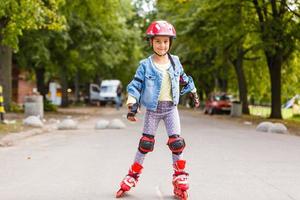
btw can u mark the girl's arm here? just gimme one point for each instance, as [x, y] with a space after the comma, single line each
[188, 86]
[134, 88]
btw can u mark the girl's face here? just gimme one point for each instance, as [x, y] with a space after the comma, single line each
[161, 44]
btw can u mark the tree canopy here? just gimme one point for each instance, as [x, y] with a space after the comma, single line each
[17, 16]
[246, 48]
[260, 37]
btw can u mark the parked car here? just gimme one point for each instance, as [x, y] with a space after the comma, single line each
[106, 92]
[218, 103]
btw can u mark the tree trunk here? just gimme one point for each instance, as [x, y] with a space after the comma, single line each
[40, 80]
[76, 84]
[64, 88]
[243, 91]
[5, 74]
[239, 69]
[222, 84]
[274, 65]
[275, 56]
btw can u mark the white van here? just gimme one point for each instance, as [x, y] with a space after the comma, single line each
[107, 92]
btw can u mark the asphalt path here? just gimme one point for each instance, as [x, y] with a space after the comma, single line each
[226, 161]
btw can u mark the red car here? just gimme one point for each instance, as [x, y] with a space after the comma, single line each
[218, 103]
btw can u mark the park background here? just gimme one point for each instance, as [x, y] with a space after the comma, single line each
[248, 49]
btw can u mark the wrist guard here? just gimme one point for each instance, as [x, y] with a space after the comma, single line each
[133, 110]
[195, 98]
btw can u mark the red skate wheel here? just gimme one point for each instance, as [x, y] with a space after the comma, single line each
[184, 195]
[120, 193]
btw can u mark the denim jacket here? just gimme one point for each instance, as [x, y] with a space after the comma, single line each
[146, 84]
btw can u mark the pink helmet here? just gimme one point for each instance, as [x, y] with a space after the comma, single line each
[161, 28]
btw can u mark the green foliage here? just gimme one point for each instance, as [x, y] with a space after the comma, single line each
[291, 79]
[49, 107]
[33, 51]
[210, 31]
[14, 107]
[11, 128]
[295, 118]
[98, 32]
[17, 16]
[205, 39]
[264, 111]
[101, 41]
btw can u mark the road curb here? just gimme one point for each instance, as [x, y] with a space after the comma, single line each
[11, 139]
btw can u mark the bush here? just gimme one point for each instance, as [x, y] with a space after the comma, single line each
[14, 107]
[48, 106]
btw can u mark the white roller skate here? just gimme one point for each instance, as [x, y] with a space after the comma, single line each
[180, 182]
[130, 180]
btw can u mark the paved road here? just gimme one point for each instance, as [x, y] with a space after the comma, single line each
[226, 161]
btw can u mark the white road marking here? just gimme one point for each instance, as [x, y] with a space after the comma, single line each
[158, 192]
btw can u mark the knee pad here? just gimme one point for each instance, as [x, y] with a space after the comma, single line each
[146, 143]
[176, 144]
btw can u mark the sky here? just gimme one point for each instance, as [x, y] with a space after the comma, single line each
[147, 6]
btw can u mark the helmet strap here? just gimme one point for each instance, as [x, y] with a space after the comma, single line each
[160, 55]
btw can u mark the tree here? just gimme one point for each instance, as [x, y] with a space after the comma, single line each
[94, 45]
[236, 29]
[278, 30]
[34, 56]
[15, 17]
[215, 28]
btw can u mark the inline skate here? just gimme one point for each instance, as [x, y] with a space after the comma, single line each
[180, 182]
[130, 180]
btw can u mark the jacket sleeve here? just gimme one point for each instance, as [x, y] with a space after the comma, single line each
[130, 100]
[186, 81]
[134, 88]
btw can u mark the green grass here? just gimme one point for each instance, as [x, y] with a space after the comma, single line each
[295, 118]
[10, 128]
[264, 112]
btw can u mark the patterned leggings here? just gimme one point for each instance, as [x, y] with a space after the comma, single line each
[167, 112]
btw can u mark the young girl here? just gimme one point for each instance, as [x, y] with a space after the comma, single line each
[156, 86]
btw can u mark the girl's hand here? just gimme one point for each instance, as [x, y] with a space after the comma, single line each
[132, 110]
[195, 99]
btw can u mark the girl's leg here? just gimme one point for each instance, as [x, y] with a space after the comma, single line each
[139, 157]
[172, 123]
[151, 122]
[146, 145]
[177, 144]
